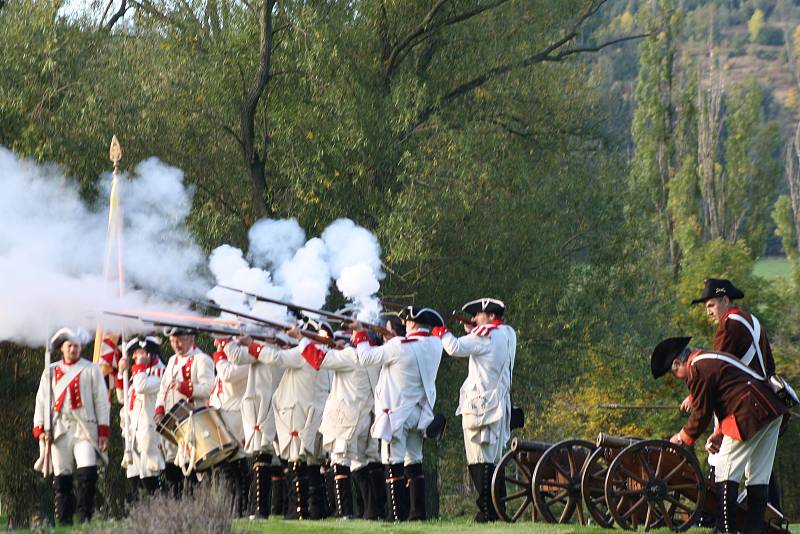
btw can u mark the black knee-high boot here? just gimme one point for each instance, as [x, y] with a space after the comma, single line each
[262, 469]
[241, 484]
[279, 476]
[481, 475]
[150, 484]
[416, 492]
[134, 487]
[756, 506]
[342, 490]
[64, 499]
[774, 493]
[317, 498]
[173, 481]
[297, 494]
[375, 501]
[358, 492]
[396, 491]
[727, 493]
[87, 484]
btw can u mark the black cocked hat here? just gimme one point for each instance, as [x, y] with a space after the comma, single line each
[488, 305]
[716, 288]
[426, 316]
[664, 354]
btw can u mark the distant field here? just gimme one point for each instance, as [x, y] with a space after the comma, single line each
[773, 267]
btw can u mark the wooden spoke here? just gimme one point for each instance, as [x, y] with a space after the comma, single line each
[647, 517]
[567, 512]
[627, 472]
[665, 515]
[679, 487]
[560, 469]
[676, 469]
[678, 504]
[644, 463]
[658, 464]
[571, 462]
[513, 496]
[634, 507]
[521, 509]
[515, 481]
[560, 495]
[522, 468]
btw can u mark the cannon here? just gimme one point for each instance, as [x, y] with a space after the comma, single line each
[544, 475]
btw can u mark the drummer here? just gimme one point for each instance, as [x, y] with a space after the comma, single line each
[189, 376]
[143, 459]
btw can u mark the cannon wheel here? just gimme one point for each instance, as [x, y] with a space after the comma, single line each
[655, 483]
[511, 487]
[557, 481]
[593, 478]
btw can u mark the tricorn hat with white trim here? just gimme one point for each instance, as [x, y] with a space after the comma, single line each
[178, 331]
[716, 288]
[151, 344]
[665, 353]
[309, 323]
[79, 336]
[426, 316]
[487, 305]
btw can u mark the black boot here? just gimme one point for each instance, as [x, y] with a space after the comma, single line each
[297, 494]
[375, 492]
[774, 493]
[416, 492]
[262, 469]
[317, 498]
[756, 506]
[241, 484]
[279, 475]
[173, 481]
[727, 493]
[64, 499]
[358, 478]
[343, 494]
[481, 475]
[150, 485]
[87, 483]
[396, 491]
[134, 487]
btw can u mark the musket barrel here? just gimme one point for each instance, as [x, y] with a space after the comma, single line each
[529, 446]
[614, 442]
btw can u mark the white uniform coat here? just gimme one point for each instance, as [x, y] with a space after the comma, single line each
[298, 402]
[407, 380]
[80, 412]
[258, 419]
[484, 400]
[226, 396]
[147, 459]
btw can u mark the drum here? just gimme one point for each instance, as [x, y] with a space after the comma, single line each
[205, 438]
[169, 423]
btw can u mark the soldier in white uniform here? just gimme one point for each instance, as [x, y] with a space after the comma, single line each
[146, 461]
[226, 396]
[346, 421]
[485, 397]
[189, 376]
[258, 420]
[404, 399]
[76, 393]
[297, 403]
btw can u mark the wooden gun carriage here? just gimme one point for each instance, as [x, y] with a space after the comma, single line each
[630, 482]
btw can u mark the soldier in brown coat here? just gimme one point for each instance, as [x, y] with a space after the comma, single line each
[750, 417]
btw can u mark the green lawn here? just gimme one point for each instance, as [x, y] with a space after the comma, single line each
[773, 267]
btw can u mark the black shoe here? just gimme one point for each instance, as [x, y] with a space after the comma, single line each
[416, 492]
[262, 469]
[397, 492]
[343, 493]
[64, 499]
[87, 484]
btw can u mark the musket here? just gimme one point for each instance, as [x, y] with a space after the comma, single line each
[48, 416]
[310, 335]
[378, 329]
[127, 455]
[615, 406]
[461, 318]
[208, 329]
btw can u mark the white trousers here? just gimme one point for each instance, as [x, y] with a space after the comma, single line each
[406, 445]
[69, 451]
[751, 459]
[484, 444]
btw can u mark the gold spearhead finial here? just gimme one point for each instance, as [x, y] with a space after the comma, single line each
[115, 152]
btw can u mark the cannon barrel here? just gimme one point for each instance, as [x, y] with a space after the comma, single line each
[614, 442]
[529, 446]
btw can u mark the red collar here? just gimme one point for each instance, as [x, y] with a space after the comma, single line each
[65, 362]
[735, 309]
[496, 322]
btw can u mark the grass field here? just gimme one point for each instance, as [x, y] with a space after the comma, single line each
[773, 267]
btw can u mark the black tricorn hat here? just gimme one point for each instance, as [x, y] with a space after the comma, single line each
[151, 344]
[716, 288]
[664, 353]
[487, 305]
[426, 316]
[170, 331]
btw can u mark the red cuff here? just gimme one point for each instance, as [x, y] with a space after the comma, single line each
[37, 432]
[360, 337]
[254, 349]
[314, 356]
[103, 431]
[686, 438]
[160, 410]
[138, 368]
[185, 389]
[219, 355]
[118, 381]
[221, 342]
[439, 331]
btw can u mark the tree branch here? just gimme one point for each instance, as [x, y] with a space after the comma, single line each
[123, 8]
